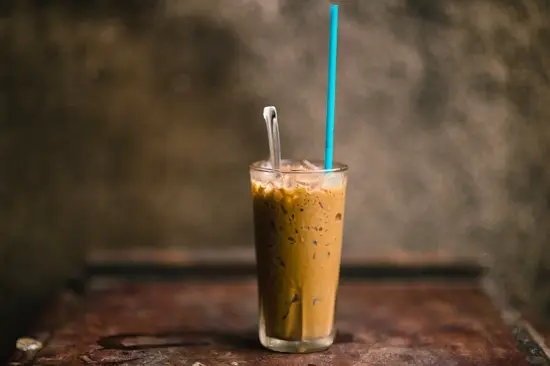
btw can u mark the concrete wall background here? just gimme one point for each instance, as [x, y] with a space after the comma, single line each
[127, 124]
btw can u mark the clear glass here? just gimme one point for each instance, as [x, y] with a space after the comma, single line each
[298, 226]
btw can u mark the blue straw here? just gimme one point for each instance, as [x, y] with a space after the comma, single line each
[331, 91]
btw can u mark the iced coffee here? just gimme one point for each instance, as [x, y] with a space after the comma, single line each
[298, 222]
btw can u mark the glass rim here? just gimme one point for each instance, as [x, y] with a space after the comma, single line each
[336, 167]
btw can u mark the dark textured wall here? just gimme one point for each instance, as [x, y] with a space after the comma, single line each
[131, 124]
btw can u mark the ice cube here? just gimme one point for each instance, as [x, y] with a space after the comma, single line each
[261, 178]
[269, 187]
[309, 165]
[296, 166]
[302, 165]
[266, 164]
[312, 181]
[332, 180]
[289, 182]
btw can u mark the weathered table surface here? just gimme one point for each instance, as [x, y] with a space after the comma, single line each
[214, 323]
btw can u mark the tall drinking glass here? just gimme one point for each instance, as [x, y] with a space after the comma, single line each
[298, 225]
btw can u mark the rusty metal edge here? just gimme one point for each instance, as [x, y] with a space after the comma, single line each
[528, 340]
[459, 272]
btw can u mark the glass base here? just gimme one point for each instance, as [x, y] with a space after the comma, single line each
[303, 346]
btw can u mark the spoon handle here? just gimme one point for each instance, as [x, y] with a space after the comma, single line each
[272, 124]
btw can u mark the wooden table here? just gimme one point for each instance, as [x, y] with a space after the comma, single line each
[211, 320]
